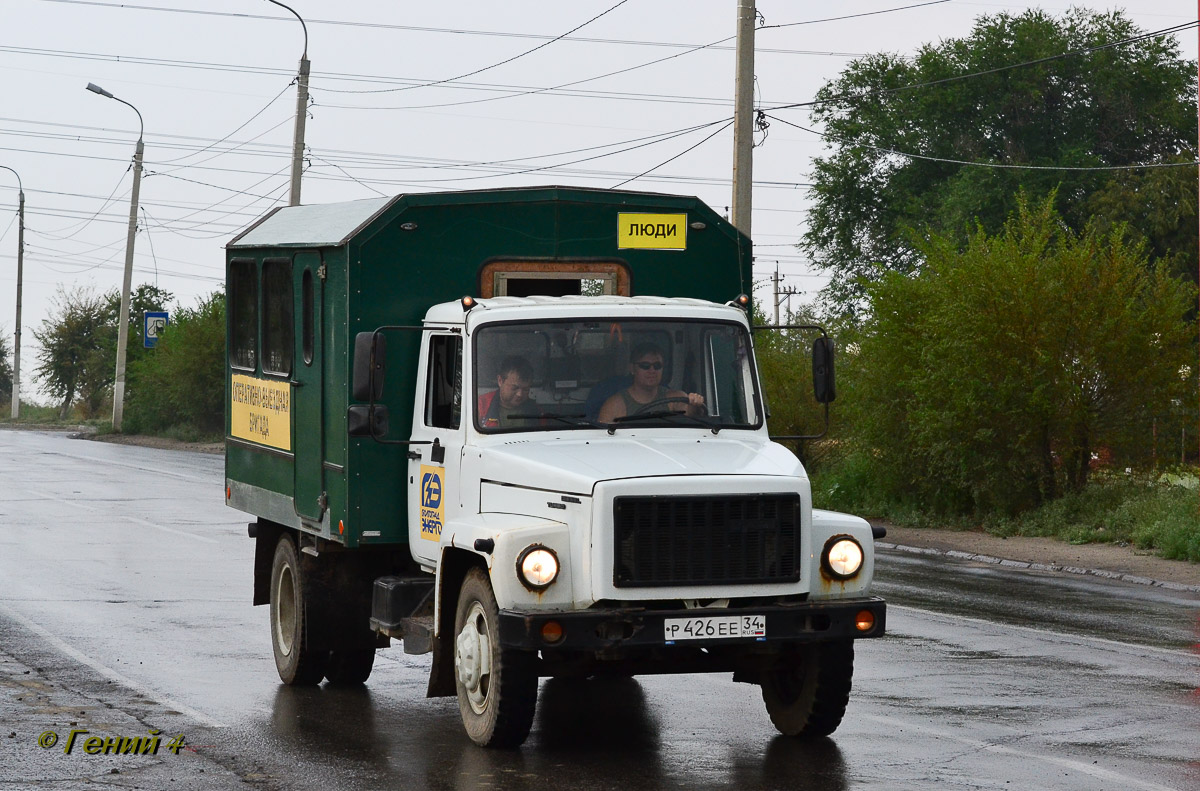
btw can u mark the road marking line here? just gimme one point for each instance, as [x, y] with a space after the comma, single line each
[151, 470]
[133, 519]
[1171, 652]
[1067, 763]
[108, 672]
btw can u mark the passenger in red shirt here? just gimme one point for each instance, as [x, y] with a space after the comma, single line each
[511, 395]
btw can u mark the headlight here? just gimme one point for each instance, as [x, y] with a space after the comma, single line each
[842, 558]
[537, 567]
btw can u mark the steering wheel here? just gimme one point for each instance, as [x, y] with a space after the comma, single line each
[648, 406]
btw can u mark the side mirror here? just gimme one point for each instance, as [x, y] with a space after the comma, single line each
[370, 354]
[364, 420]
[822, 362]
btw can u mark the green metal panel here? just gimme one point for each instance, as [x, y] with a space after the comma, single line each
[308, 419]
[423, 249]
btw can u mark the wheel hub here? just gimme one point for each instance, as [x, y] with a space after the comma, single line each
[473, 658]
[285, 611]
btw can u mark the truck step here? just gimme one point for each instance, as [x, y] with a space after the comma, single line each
[418, 634]
[402, 607]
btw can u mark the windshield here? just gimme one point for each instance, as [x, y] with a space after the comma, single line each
[557, 375]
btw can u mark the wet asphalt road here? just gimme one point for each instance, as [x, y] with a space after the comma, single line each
[124, 606]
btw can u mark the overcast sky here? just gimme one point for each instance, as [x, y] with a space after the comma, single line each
[213, 80]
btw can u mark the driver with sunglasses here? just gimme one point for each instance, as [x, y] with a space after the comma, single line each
[647, 392]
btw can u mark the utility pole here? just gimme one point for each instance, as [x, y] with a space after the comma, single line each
[743, 118]
[775, 291]
[16, 382]
[301, 113]
[780, 294]
[298, 136]
[127, 283]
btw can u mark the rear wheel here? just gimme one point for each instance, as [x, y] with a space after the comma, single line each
[497, 688]
[350, 667]
[297, 665]
[807, 698]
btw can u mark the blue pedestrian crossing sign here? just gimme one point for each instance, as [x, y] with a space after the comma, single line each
[153, 322]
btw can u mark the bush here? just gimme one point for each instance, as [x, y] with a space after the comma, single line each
[986, 382]
[1161, 515]
[180, 385]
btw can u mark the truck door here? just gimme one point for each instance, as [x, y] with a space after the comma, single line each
[434, 488]
[307, 394]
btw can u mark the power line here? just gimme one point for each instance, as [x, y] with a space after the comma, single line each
[618, 71]
[443, 30]
[231, 150]
[677, 156]
[853, 16]
[150, 242]
[385, 161]
[503, 62]
[1000, 165]
[514, 90]
[104, 205]
[213, 206]
[659, 139]
[591, 174]
[235, 131]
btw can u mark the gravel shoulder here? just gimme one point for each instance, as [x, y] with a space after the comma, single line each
[1123, 562]
[159, 442]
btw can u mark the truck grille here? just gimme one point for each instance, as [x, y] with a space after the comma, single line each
[727, 540]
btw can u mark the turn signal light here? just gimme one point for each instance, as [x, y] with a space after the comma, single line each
[864, 621]
[341, 527]
[552, 631]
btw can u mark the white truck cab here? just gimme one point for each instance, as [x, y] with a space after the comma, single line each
[676, 537]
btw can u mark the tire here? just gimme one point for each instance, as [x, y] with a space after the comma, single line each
[350, 667]
[298, 666]
[497, 688]
[808, 697]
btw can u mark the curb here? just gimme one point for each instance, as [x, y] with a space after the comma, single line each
[1020, 564]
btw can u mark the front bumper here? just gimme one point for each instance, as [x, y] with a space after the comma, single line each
[599, 629]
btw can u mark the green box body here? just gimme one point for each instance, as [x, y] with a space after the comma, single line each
[385, 262]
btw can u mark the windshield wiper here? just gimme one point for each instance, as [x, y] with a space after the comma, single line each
[666, 413]
[570, 420]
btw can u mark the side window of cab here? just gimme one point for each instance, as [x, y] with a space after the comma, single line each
[443, 383]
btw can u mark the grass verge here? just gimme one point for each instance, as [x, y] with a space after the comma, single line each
[1161, 514]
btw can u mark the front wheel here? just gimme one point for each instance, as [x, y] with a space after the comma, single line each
[297, 664]
[807, 697]
[497, 688]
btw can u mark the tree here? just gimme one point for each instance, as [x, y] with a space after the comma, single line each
[1122, 105]
[6, 371]
[181, 382]
[75, 342]
[988, 380]
[784, 360]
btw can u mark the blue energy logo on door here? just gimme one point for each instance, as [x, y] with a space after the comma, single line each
[433, 504]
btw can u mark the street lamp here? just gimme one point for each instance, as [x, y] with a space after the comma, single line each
[16, 383]
[301, 113]
[123, 327]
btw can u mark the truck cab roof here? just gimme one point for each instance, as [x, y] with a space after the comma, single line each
[542, 307]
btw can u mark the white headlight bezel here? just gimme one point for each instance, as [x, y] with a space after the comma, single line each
[827, 561]
[525, 555]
